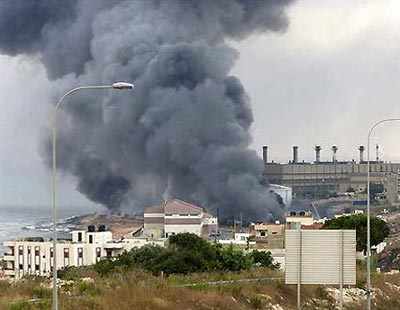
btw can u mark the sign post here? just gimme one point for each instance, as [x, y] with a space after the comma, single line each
[320, 257]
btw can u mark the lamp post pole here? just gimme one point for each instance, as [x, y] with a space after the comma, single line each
[118, 85]
[368, 209]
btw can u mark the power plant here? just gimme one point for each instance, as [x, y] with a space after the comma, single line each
[331, 176]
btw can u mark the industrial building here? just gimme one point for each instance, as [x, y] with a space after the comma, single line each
[332, 176]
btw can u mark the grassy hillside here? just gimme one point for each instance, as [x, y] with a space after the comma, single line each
[85, 290]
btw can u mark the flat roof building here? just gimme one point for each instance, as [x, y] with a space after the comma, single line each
[177, 216]
[34, 256]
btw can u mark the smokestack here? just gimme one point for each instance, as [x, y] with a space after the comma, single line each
[317, 153]
[265, 154]
[361, 148]
[334, 150]
[377, 152]
[295, 154]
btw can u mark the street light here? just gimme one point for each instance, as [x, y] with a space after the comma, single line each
[117, 85]
[368, 210]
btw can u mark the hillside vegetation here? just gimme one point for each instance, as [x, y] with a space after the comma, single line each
[202, 276]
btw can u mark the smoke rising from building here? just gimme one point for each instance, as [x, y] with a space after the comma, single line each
[184, 131]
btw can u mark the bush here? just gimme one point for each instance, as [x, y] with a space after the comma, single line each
[264, 259]
[231, 259]
[255, 302]
[147, 256]
[185, 253]
[105, 266]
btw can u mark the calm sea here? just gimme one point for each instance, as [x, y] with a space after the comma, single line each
[16, 222]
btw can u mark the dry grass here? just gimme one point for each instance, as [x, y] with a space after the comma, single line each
[138, 290]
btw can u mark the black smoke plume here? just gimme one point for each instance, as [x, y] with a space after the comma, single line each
[184, 131]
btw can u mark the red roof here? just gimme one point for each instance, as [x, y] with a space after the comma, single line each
[176, 206]
[181, 207]
[155, 209]
[314, 226]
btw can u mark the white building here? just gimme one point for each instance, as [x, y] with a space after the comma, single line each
[284, 192]
[34, 256]
[302, 217]
[240, 239]
[177, 216]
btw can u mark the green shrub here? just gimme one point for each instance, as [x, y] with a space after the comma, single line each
[231, 259]
[104, 266]
[87, 288]
[19, 305]
[185, 253]
[264, 259]
[255, 302]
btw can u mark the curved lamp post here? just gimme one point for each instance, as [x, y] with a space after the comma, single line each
[368, 209]
[118, 85]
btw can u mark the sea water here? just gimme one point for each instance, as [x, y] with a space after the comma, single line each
[18, 222]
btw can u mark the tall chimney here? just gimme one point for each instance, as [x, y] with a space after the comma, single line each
[265, 154]
[317, 153]
[295, 154]
[377, 152]
[334, 150]
[361, 148]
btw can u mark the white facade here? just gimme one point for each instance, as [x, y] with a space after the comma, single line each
[284, 191]
[177, 216]
[35, 257]
[240, 239]
[304, 218]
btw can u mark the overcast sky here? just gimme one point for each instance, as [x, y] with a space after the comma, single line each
[324, 81]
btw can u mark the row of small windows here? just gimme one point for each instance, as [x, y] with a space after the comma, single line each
[181, 214]
[37, 251]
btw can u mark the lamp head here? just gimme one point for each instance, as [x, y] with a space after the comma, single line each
[122, 85]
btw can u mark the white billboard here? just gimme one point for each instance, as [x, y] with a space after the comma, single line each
[320, 257]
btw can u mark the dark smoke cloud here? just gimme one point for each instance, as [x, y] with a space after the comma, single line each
[184, 131]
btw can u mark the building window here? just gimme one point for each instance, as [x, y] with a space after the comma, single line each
[109, 252]
[90, 239]
[37, 251]
[66, 253]
[37, 268]
[98, 254]
[79, 237]
[29, 250]
[51, 252]
[80, 252]
[21, 250]
[263, 234]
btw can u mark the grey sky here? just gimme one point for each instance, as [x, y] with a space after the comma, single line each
[325, 81]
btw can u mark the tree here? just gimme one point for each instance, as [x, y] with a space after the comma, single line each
[264, 259]
[186, 253]
[379, 228]
[146, 256]
[231, 259]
